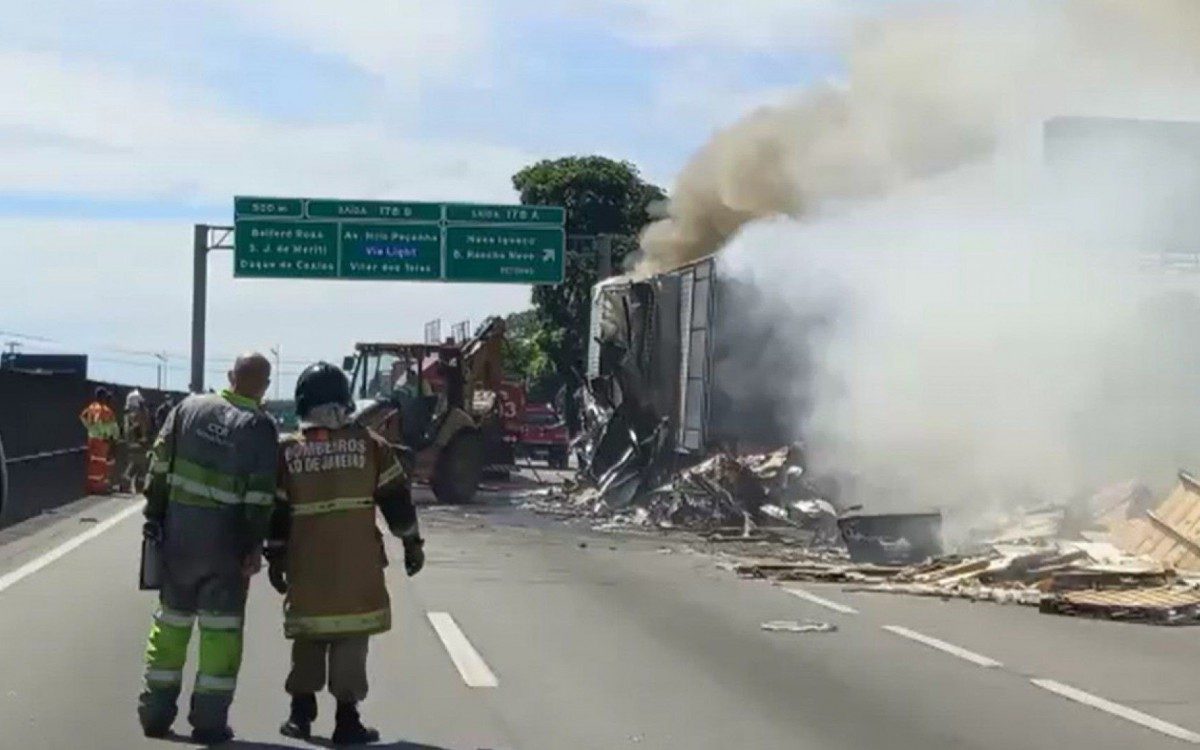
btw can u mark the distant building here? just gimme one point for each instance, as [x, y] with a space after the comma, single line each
[56, 364]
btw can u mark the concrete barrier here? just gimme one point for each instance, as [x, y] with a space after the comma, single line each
[43, 446]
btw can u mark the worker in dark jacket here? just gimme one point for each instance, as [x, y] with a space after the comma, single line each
[326, 553]
[208, 502]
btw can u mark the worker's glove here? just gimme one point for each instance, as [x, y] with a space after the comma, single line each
[277, 573]
[414, 555]
[152, 530]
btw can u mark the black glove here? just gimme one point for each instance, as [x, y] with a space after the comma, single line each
[152, 530]
[277, 573]
[414, 555]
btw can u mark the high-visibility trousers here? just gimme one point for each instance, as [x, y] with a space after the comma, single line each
[100, 463]
[217, 605]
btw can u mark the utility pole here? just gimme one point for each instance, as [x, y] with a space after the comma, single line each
[275, 350]
[12, 346]
[603, 247]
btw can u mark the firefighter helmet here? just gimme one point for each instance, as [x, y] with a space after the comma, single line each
[319, 384]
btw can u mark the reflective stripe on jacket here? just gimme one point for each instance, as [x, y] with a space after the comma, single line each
[335, 556]
[215, 452]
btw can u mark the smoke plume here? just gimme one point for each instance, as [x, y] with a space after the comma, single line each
[926, 92]
[987, 337]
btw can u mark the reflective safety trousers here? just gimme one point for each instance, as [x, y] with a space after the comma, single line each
[100, 462]
[215, 603]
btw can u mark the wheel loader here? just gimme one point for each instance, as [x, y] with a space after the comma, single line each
[437, 403]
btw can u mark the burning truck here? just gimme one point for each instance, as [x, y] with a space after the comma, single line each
[680, 365]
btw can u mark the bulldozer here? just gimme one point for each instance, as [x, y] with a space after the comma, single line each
[438, 403]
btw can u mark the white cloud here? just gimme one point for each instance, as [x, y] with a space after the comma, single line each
[79, 128]
[409, 41]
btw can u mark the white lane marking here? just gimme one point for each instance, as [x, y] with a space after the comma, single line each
[36, 564]
[940, 645]
[821, 601]
[470, 664]
[1116, 709]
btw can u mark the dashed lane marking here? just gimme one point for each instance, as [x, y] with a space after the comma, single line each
[474, 670]
[822, 601]
[1116, 709]
[940, 645]
[36, 564]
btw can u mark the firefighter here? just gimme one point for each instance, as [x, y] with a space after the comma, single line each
[326, 555]
[138, 433]
[208, 502]
[100, 421]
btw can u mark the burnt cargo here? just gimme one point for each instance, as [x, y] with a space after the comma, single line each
[892, 538]
[701, 352]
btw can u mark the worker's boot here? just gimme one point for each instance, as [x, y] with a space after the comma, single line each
[349, 729]
[299, 723]
[212, 736]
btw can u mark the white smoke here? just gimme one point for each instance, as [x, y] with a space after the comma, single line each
[994, 340]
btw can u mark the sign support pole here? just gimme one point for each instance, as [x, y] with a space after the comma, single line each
[199, 303]
[204, 239]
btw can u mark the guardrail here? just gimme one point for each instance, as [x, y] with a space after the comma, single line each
[36, 482]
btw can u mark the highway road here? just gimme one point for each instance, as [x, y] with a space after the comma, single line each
[523, 632]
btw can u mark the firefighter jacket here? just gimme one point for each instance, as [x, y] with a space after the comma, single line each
[331, 481]
[100, 421]
[137, 427]
[212, 481]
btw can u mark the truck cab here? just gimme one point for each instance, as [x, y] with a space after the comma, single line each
[544, 435]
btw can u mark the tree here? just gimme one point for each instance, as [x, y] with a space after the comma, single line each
[602, 197]
[525, 355]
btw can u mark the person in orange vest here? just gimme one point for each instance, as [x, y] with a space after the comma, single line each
[100, 421]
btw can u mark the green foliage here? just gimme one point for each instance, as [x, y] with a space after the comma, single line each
[526, 356]
[602, 196]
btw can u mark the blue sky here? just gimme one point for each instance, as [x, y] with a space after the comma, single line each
[128, 120]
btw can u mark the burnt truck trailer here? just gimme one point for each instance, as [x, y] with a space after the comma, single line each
[686, 362]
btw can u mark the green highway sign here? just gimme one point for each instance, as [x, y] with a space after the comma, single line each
[267, 208]
[374, 210]
[398, 240]
[483, 214]
[531, 256]
[286, 249]
[403, 252]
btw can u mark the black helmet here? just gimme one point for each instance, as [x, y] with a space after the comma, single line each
[319, 384]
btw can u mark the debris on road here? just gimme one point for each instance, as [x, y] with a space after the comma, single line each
[1169, 533]
[732, 498]
[1058, 559]
[799, 626]
[1165, 605]
[1112, 555]
[892, 538]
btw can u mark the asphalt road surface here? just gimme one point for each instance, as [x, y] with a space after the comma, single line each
[527, 633]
